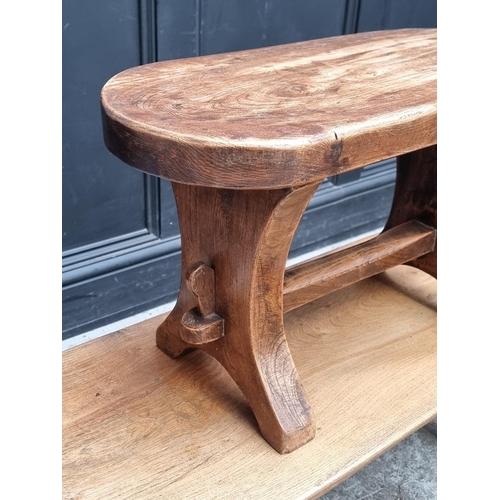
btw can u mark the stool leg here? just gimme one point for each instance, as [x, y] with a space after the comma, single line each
[415, 198]
[244, 236]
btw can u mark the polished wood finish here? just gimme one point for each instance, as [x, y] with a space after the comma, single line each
[244, 236]
[279, 116]
[415, 198]
[138, 425]
[246, 139]
[331, 271]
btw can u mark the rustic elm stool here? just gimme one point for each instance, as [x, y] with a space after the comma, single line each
[246, 138]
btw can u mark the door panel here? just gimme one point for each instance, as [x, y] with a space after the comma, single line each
[101, 199]
[394, 14]
[240, 24]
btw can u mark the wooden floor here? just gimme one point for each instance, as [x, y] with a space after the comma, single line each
[138, 425]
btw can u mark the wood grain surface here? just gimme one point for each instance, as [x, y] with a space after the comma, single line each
[138, 425]
[314, 278]
[415, 198]
[278, 116]
[245, 237]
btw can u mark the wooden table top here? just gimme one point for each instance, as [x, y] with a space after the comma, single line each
[277, 116]
[139, 425]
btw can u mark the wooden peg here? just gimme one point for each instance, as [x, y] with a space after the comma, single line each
[201, 283]
[201, 324]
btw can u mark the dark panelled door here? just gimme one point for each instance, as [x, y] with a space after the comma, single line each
[120, 234]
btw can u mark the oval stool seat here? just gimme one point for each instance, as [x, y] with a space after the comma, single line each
[276, 117]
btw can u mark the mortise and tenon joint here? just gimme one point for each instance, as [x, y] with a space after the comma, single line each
[200, 324]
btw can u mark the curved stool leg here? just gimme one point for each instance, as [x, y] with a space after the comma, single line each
[244, 236]
[415, 198]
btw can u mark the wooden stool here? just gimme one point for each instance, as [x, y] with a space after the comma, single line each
[246, 138]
